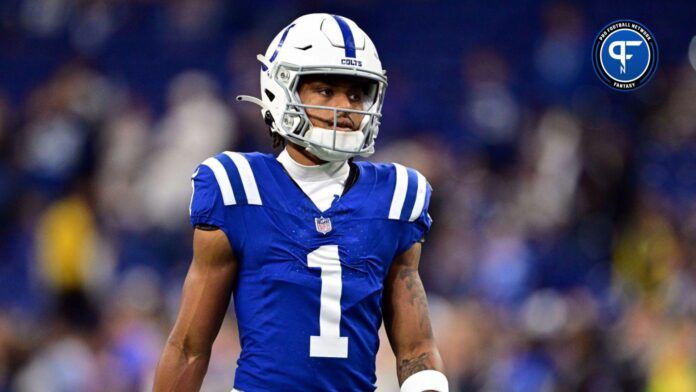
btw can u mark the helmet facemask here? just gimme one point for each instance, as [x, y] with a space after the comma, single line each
[330, 144]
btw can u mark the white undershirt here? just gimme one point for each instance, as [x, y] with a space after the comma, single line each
[322, 183]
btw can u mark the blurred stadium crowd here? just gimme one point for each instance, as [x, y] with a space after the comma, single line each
[563, 250]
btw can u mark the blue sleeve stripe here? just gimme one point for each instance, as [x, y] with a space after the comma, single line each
[411, 193]
[222, 180]
[399, 196]
[420, 198]
[251, 189]
[235, 179]
[348, 40]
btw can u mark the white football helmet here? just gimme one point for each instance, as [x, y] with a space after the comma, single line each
[320, 44]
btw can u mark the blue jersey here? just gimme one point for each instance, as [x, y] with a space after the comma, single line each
[309, 289]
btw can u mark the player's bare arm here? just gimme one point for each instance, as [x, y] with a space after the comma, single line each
[205, 297]
[406, 317]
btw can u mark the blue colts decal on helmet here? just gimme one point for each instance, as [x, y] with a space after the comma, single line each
[353, 62]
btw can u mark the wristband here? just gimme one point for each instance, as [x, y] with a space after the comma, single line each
[425, 380]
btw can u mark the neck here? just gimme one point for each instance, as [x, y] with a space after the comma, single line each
[312, 173]
[301, 156]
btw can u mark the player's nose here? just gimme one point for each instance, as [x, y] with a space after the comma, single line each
[341, 100]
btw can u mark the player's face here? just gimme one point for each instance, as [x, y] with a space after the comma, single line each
[340, 92]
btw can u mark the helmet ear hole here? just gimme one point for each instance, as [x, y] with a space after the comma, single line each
[269, 94]
[268, 118]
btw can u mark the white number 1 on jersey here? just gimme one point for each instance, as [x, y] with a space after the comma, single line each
[329, 343]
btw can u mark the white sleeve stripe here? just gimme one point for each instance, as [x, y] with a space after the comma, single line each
[193, 190]
[420, 199]
[222, 179]
[400, 189]
[247, 176]
[193, 193]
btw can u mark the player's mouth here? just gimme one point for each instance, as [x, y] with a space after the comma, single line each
[342, 124]
[345, 125]
[344, 128]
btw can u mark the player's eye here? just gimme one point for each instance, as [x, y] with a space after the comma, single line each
[326, 91]
[355, 96]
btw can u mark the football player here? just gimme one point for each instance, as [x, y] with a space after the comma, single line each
[316, 248]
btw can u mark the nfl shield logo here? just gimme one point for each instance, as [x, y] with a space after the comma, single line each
[323, 224]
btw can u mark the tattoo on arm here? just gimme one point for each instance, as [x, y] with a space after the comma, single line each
[407, 320]
[417, 298]
[409, 366]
